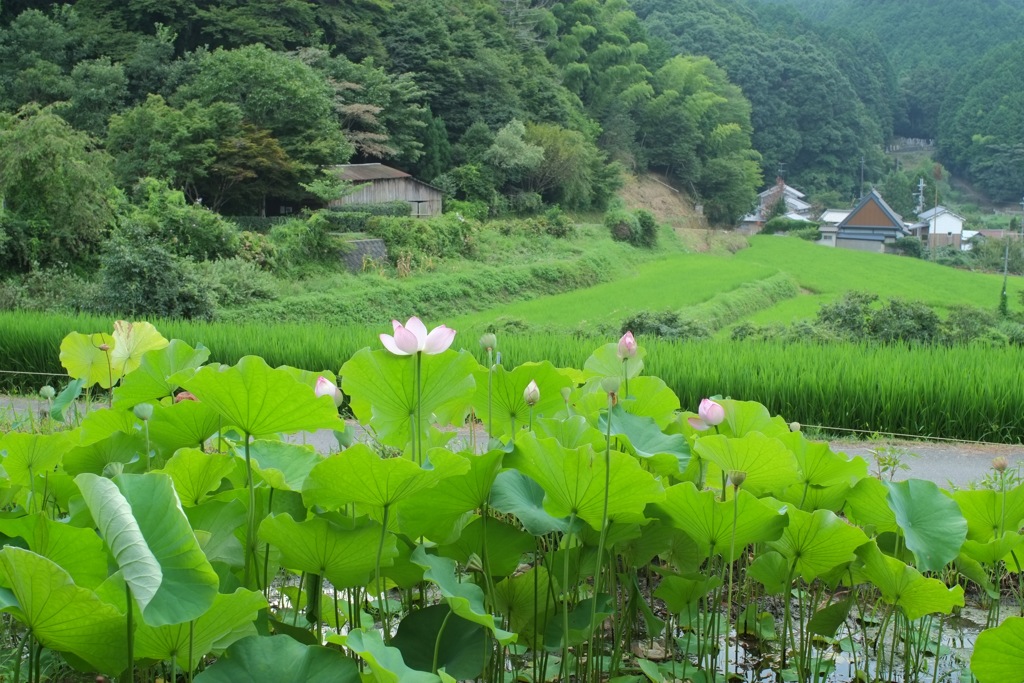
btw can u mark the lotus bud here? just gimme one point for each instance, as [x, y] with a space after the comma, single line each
[566, 393]
[47, 392]
[611, 384]
[1000, 464]
[489, 341]
[531, 394]
[627, 346]
[104, 347]
[474, 563]
[710, 412]
[737, 477]
[325, 387]
[143, 411]
[184, 396]
[112, 469]
[794, 426]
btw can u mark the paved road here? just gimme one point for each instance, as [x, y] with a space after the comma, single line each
[945, 463]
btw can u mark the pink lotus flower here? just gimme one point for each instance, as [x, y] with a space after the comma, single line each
[412, 338]
[710, 414]
[627, 346]
[325, 387]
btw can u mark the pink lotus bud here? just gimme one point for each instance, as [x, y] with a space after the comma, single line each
[627, 346]
[325, 387]
[1000, 464]
[413, 338]
[531, 394]
[710, 412]
[184, 396]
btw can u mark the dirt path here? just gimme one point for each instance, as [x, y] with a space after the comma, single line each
[945, 463]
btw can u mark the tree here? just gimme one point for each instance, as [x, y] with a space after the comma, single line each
[58, 192]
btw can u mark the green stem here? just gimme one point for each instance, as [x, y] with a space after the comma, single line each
[418, 443]
[732, 561]
[266, 550]
[938, 648]
[381, 597]
[437, 642]
[490, 385]
[787, 611]
[563, 665]
[131, 634]
[250, 522]
[191, 642]
[21, 655]
[625, 378]
[603, 535]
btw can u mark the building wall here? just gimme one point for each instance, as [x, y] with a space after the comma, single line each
[944, 239]
[425, 200]
[861, 245]
[946, 223]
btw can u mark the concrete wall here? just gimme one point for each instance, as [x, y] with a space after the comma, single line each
[363, 249]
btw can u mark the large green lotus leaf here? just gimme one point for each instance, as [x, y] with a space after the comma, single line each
[160, 372]
[259, 400]
[27, 456]
[284, 466]
[182, 425]
[932, 524]
[358, 475]
[345, 557]
[521, 599]
[131, 342]
[140, 518]
[386, 663]
[820, 468]
[666, 454]
[82, 357]
[102, 423]
[574, 480]
[516, 494]
[61, 615]
[465, 599]
[903, 586]
[770, 466]
[680, 593]
[809, 497]
[127, 449]
[571, 432]
[505, 547]
[992, 551]
[972, 570]
[709, 522]
[218, 521]
[867, 506]
[66, 398]
[998, 655]
[651, 397]
[439, 512]
[231, 618]
[818, 542]
[508, 409]
[744, 417]
[259, 659]
[196, 474]
[434, 638]
[605, 362]
[771, 570]
[381, 386]
[986, 514]
[78, 551]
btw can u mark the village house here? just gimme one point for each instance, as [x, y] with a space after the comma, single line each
[872, 225]
[939, 227]
[377, 183]
[796, 207]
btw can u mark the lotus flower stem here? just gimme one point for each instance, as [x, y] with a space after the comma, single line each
[437, 642]
[490, 386]
[603, 535]
[625, 377]
[131, 634]
[191, 642]
[381, 597]
[563, 671]
[21, 654]
[266, 551]
[250, 525]
[732, 562]
[418, 438]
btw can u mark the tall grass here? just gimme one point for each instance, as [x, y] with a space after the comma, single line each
[960, 392]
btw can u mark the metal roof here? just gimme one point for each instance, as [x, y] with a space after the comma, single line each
[357, 172]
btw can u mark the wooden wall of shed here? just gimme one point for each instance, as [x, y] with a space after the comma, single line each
[425, 200]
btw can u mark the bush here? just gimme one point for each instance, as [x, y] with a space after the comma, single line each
[809, 234]
[141, 278]
[52, 289]
[557, 224]
[470, 210]
[347, 221]
[666, 324]
[186, 229]
[441, 236]
[257, 249]
[782, 224]
[307, 242]
[399, 207]
[236, 282]
[908, 246]
[622, 224]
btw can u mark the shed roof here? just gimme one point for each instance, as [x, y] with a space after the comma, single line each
[368, 172]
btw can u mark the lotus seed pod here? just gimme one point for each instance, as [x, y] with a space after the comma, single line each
[47, 392]
[489, 341]
[611, 384]
[1000, 464]
[737, 477]
[143, 411]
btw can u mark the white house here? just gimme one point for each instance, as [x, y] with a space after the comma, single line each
[828, 225]
[941, 227]
[796, 206]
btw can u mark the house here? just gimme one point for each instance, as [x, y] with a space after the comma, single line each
[940, 227]
[828, 225]
[871, 226]
[796, 207]
[377, 183]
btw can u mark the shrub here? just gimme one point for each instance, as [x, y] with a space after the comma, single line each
[904, 321]
[186, 229]
[908, 246]
[306, 242]
[667, 324]
[557, 224]
[52, 289]
[399, 207]
[622, 224]
[236, 282]
[347, 221]
[647, 233]
[141, 278]
[781, 224]
[809, 234]
[440, 236]
[257, 249]
[470, 210]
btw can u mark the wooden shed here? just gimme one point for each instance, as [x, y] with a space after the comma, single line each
[377, 183]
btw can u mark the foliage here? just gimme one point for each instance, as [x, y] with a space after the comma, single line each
[189, 230]
[437, 237]
[639, 228]
[395, 208]
[909, 246]
[781, 224]
[305, 242]
[665, 324]
[236, 282]
[810, 234]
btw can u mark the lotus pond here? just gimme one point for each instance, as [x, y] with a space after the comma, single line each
[599, 531]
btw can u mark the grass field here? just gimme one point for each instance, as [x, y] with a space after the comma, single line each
[680, 281]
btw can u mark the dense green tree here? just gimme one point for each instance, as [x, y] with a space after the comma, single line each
[58, 196]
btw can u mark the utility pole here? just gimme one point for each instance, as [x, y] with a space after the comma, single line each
[862, 176]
